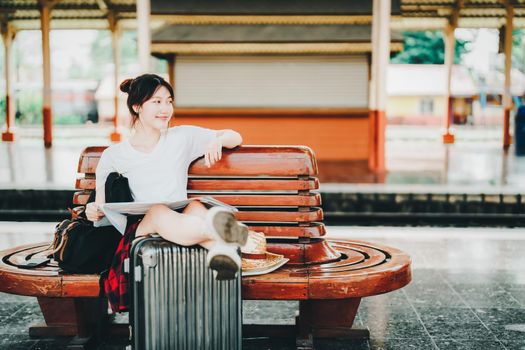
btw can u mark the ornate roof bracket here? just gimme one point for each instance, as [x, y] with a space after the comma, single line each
[48, 3]
[454, 16]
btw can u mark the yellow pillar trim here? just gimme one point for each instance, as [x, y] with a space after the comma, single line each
[240, 19]
[265, 48]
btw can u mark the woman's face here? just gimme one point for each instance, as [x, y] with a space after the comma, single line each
[156, 112]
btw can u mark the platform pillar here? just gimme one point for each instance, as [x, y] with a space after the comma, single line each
[450, 44]
[144, 35]
[8, 35]
[115, 136]
[377, 102]
[507, 94]
[46, 7]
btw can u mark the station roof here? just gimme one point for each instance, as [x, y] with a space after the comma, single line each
[66, 14]
[267, 7]
[265, 39]
[433, 14]
[406, 14]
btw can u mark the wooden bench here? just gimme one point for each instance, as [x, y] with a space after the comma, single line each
[275, 190]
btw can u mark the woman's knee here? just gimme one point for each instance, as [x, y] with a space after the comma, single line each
[195, 208]
[157, 209]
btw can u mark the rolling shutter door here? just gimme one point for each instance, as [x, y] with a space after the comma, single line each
[272, 81]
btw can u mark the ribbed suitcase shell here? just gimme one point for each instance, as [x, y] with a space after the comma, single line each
[177, 303]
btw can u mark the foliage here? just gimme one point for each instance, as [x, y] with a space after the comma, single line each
[2, 110]
[428, 47]
[518, 49]
[102, 55]
[69, 119]
[29, 107]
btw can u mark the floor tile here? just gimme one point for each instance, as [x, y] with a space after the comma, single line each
[16, 341]
[459, 331]
[435, 296]
[481, 277]
[500, 316]
[378, 312]
[513, 344]
[422, 343]
[396, 330]
[486, 296]
[259, 311]
[20, 321]
[446, 314]
[450, 344]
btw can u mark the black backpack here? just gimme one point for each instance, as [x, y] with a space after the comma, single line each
[80, 247]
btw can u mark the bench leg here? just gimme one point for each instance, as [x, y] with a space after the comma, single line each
[66, 317]
[327, 319]
[317, 319]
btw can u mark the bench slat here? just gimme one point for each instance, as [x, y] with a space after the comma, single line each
[264, 214]
[278, 216]
[229, 184]
[315, 231]
[311, 200]
[241, 161]
[267, 200]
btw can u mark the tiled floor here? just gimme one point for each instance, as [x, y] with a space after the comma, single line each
[468, 292]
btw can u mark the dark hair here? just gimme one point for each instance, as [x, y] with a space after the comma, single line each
[141, 89]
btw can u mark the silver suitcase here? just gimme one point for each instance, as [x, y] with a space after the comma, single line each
[176, 301]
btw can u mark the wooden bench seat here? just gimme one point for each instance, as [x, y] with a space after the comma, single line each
[275, 190]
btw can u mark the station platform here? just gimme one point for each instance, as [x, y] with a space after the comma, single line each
[470, 182]
[467, 292]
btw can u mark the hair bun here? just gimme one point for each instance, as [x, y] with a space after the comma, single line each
[125, 85]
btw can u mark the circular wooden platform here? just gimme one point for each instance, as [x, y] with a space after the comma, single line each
[361, 269]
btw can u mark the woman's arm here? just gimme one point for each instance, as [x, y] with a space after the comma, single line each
[225, 138]
[92, 211]
[229, 138]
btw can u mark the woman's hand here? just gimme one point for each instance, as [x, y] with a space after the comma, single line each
[93, 213]
[213, 152]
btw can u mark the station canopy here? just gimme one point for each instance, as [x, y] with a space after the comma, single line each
[67, 14]
[433, 14]
[406, 14]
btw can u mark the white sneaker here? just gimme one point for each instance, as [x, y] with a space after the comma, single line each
[222, 224]
[224, 260]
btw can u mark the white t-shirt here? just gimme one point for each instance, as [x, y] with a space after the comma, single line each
[162, 174]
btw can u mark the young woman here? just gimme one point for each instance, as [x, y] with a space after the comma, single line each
[155, 160]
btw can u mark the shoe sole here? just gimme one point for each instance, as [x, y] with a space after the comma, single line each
[224, 267]
[230, 230]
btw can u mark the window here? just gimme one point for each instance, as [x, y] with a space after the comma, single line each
[426, 105]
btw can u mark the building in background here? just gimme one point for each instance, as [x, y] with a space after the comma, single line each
[417, 94]
[291, 73]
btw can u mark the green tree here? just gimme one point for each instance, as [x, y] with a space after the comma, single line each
[102, 54]
[427, 47]
[518, 49]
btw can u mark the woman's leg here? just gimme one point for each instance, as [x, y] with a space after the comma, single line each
[198, 209]
[185, 229]
[192, 227]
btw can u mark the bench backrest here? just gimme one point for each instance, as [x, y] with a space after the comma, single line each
[275, 188]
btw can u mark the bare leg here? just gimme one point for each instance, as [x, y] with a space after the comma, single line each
[198, 209]
[184, 229]
[190, 228]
